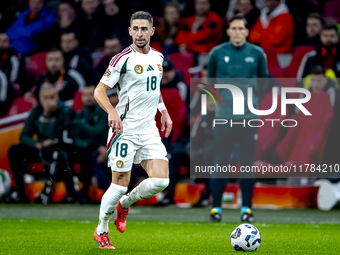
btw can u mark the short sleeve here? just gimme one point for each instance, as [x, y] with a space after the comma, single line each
[111, 75]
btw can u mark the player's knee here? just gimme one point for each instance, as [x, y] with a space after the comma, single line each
[160, 184]
[117, 189]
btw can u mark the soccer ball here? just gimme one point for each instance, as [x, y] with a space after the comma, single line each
[245, 237]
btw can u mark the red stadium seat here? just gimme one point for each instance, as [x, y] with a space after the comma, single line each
[273, 63]
[332, 12]
[305, 143]
[21, 105]
[38, 168]
[182, 62]
[177, 111]
[299, 53]
[77, 102]
[36, 66]
[268, 136]
[300, 56]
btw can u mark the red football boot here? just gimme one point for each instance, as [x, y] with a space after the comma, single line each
[121, 214]
[103, 240]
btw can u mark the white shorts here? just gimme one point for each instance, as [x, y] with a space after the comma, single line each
[127, 149]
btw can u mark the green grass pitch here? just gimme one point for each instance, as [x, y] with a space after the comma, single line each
[59, 229]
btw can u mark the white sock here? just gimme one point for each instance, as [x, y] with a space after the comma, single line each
[108, 205]
[147, 188]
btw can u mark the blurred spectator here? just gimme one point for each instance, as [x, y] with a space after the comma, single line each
[74, 59]
[174, 79]
[66, 82]
[50, 121]
[202, 147]
[90, 124]
[249, 10]
[112, 46]
[168, 28]
[9, 70]
[274, 27]
[234, 7]
[90, 18]
[67, 16]
[320, 83]
[201, 32]
[112, 23]
[186, 7]
[328, 56]
[27, 33]
[314, 26]
[67, 21]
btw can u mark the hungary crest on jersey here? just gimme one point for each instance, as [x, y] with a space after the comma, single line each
[138, 69]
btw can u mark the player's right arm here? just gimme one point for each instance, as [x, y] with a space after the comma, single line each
[108, 81]
[104, 102]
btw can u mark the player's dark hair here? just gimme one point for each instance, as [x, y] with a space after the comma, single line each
[315, 15]
[331, 27]
[238, 16]
[142, 15]
[318, 69]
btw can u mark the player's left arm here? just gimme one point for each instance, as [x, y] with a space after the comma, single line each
[165, 118]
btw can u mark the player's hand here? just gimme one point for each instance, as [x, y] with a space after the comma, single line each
[166, 121]
[114, 121]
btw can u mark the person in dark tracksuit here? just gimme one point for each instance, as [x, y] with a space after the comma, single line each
[51, 122]
[239, 63]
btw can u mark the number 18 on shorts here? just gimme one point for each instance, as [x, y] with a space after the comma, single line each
[127, 149]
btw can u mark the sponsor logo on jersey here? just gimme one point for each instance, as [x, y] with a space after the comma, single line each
[119, 163]
[107, 73]
[150, 68]
[160, 67]
[249, 60]
[226, 59]
[138, 69]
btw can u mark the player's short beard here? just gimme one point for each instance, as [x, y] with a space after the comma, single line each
[141, 47]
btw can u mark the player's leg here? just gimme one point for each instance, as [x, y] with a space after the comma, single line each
[120, 159]
[110, 199]
[177, 160]
[247, 155]
[224, 141]
[158, 172]
[152, 157]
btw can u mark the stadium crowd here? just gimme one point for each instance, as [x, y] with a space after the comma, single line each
[54, 52]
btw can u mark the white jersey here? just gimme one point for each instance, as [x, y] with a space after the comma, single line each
[138, 78]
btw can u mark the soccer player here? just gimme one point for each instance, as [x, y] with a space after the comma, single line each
[133, 136]
[236, 60]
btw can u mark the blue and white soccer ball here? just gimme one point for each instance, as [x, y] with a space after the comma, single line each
[245, 237]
